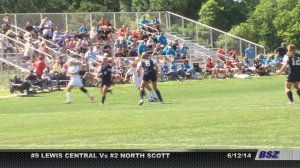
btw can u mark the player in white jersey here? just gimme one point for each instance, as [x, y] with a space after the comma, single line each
[137, 80]
[75, 81]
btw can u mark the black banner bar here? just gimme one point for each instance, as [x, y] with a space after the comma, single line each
[137, 159]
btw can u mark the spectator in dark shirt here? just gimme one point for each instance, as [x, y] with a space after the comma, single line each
[282, 50]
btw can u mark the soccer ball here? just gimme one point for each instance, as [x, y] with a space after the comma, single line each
[152, 99]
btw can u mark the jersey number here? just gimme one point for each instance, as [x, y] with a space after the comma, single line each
[147, 63]
[296, 62]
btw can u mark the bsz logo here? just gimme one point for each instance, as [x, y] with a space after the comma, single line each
[269, 154]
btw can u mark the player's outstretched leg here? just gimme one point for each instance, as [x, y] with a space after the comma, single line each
[142, 94]
[289, 93]
[91, 97]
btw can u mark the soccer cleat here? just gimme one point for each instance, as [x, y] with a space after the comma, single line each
[290, 102]
[91, 99]
[67, 102]
[162, 102]
[141, 102]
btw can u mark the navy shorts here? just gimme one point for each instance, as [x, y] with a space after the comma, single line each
[150, 76]
[106, 83]
[293, 78]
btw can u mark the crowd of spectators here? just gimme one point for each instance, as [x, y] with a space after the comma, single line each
[90, 44]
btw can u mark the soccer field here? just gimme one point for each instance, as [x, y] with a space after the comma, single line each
[204, 114]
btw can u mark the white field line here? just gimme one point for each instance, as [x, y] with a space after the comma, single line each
[147, 145]
[161, 110]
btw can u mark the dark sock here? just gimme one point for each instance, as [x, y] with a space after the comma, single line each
[103, 99]
[298, 92]
[142, 93]
[158, 95]
[83, 90]
[290, 96]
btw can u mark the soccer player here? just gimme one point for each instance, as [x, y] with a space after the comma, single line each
[150, 74]
[137, 80]
[75, 81]
[293, 74]
[105, 74]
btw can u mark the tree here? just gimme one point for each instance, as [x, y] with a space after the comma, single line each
[125, 5]
[222, 14]
[140, 6]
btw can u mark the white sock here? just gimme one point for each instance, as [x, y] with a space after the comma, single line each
[69, 96]
[88, 94]
[153, 94]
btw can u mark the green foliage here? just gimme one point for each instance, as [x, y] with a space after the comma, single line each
[222, 14]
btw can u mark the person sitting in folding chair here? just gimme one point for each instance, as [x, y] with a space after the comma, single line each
[18, 85]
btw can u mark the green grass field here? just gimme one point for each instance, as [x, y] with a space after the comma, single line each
[205, 114]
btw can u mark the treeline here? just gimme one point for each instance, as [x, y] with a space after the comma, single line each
[267, 22]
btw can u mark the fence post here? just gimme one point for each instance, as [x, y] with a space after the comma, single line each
[115, 22]
[159, 17]
[182, 22]
[197, 33]
[16, 23]
[2, 73]
[67, 27]
[226, 46]
[91, 21]
[167, 25]
[241, 48]
[211, 38]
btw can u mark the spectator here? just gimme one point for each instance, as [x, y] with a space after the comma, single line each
[209, 66]
[93, 35]
[33, 80]
[229, 67]
[175, 45]
[57, 72]
[28, 27]
[282, 50]
[56, 36]
[144, 23]
[47, 79]
[90, 55]
[83, 29]
[162, 39]
[184, 50]
[6, 21]
[39, 66]
[28, 51]
[232, 54]
[174, 72]
[43, 48]
[152, 42]
[142, 47]
[250, 52]
[221, 54]
[170, 53]
[123, 31]
[155, 23]
[158, 50]
[119, 53]
[189, 72]
[260, 55]
[218, 70]
[17, 84]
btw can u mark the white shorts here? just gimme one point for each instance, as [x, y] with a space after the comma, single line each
[137, 82]
[76, 82]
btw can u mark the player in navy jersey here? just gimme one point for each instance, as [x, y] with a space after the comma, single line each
[294, 72]
[150, 74]
[104, 73]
